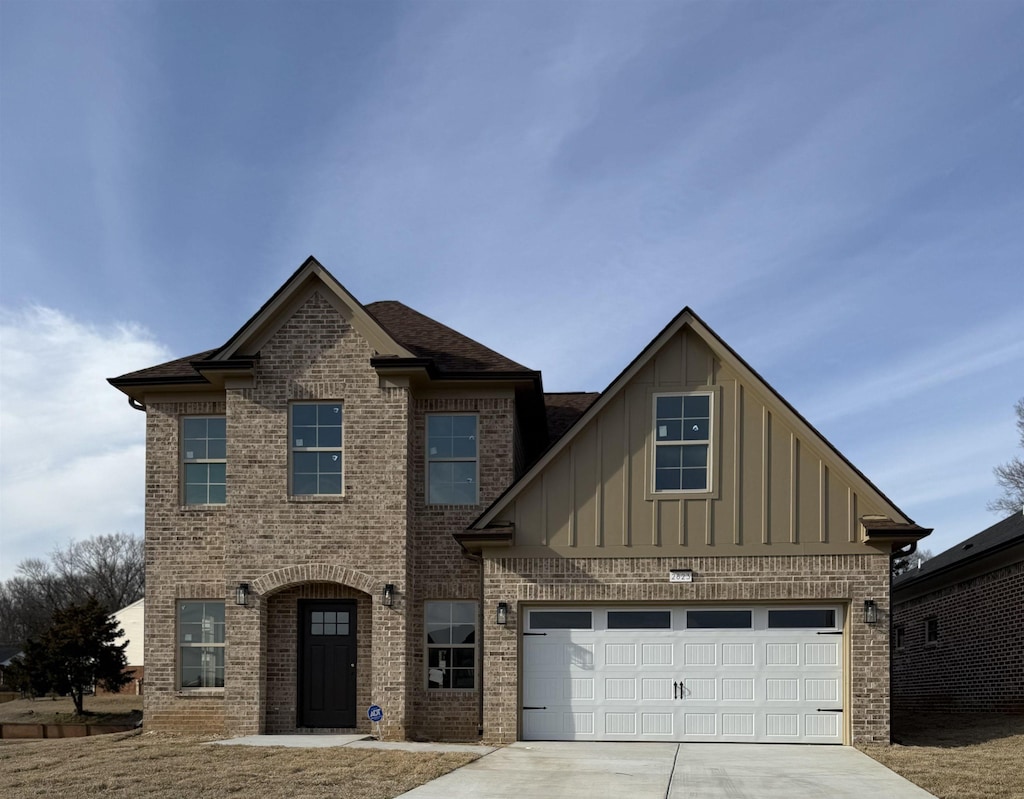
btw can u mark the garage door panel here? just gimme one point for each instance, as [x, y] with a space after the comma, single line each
[758, 683]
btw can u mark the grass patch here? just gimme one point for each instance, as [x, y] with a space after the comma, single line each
[106, 709]
[958, 755]
[164, 766]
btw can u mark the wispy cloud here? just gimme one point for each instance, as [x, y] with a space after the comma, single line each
[72, 452]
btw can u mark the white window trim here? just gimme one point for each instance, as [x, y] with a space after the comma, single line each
[180, 645]
[712, 396]
[428, 460]
[293, 449]
[427, 646]
[182, 487]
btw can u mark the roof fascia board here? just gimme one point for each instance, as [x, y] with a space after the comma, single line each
[730, 359]
[312, 274]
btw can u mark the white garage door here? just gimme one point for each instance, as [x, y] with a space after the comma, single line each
[755, 674]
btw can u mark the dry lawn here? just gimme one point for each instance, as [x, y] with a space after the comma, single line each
[958, 755]
[107, 709]
[164, 766]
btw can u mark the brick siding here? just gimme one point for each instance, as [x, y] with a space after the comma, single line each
[977, 664]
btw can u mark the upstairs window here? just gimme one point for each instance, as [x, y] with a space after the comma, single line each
[452, 460]
[682, 442]
[931, 632]
[204, 460]
[316, 448]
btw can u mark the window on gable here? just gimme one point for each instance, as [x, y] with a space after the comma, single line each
[682, 442]
[316, 448]
[452, 459]
[201, 644]
[204, 460]
[451, 644]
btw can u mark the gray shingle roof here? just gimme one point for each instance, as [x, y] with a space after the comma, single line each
[1000, 535]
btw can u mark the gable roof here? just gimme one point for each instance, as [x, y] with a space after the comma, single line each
[401, 335]
[689, 319]
[1000, 536]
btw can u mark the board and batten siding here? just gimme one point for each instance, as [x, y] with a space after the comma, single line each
[775, 489]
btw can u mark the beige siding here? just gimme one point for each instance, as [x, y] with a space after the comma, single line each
[775, 487]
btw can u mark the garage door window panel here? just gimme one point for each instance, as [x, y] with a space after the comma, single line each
[718, 620]
[808, 618]
[639, 620]
[561, 620]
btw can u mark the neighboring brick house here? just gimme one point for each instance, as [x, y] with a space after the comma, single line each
[958, 626]
[350, 505]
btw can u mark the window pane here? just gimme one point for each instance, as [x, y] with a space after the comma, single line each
[195, 449]
[305, 462]
[668, 456]
[718, 619]
[329, 484]
[463, 633]
[316, 629]
[440, 448]
[669, 430]
[439, 633]
[695, 430]
[464, 426]
[464, 472]
[698, 405]
[197, 473]
[217, 495]
[329, 437]
[801, 618]
[216, 448]
[303, 436]
[694, 455]
[667, 480]
[463, 447]
[329, 462]
[639, 620]
[329, 415]
[669, 407]
[216, 427]
[304, 484]
[461, 678]
[196, 495]
[560, 620]
[303, 415]
[217, 472]
[464, 612]
[194, 428]
[464, 657]
[694, 479]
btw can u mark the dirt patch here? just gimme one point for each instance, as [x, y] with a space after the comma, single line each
[163, 766]
[958, 755]
[107, 709]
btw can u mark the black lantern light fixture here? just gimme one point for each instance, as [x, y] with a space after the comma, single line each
[502, 617]
[870, 612]
[242, 594]
[387, 599]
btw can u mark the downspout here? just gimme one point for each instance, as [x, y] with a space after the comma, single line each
[906, 552]
[479, 559]
[139, 406]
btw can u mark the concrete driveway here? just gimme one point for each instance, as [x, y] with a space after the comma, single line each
[557, 770]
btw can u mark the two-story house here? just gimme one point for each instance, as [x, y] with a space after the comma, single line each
[350, 505]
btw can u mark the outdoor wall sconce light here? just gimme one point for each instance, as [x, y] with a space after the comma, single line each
[870, 611]
[502, 613]
[387, 599]
[242, 594]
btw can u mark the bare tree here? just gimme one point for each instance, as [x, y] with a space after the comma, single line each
[1010, 475]
[107, 568]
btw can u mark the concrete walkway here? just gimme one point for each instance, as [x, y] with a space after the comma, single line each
[557, 770]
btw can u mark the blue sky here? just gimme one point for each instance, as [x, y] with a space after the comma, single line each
[836, 188]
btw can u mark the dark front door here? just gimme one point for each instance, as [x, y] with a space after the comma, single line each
[327, 663]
